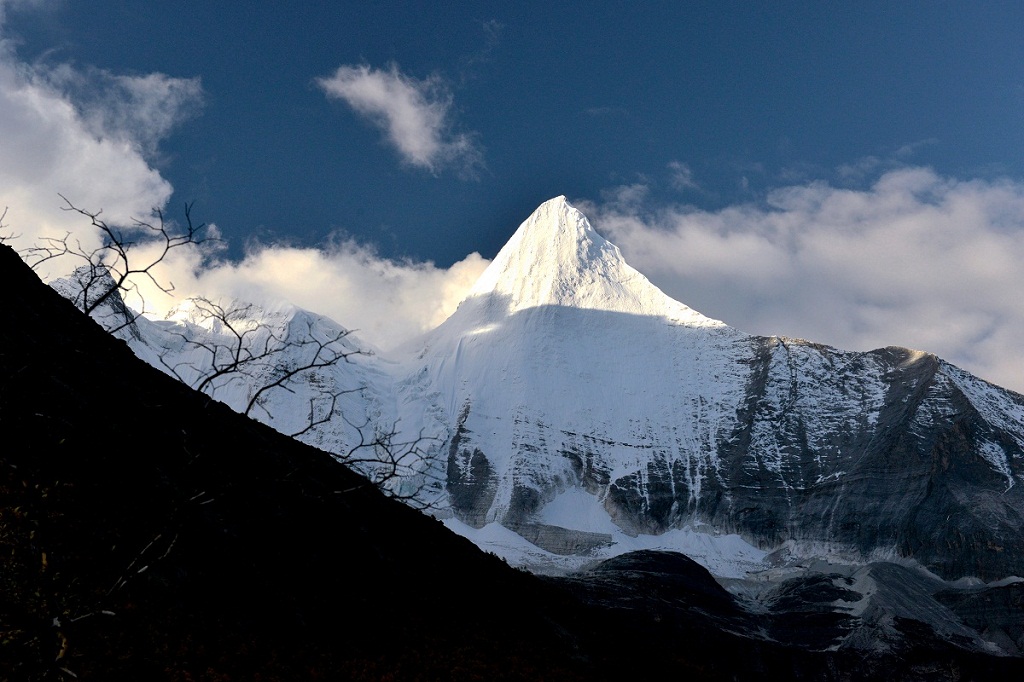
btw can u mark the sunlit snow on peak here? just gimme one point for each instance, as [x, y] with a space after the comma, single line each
[556, 258]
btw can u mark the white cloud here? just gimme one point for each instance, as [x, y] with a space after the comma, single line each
[916, 260]
[90, 135]
[682, 176]
[92, 149]
[413, 114]
[19, 4]
[387, 302]
[141, 110]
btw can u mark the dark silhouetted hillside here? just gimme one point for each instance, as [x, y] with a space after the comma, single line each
[150, 533]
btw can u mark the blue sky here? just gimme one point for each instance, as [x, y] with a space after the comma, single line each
[401, 137]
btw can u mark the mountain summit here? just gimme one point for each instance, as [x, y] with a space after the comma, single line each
[228, 552]
[569, 412]
[588, 412]
[556, 258]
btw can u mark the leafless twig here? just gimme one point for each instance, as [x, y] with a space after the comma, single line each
[111, 268]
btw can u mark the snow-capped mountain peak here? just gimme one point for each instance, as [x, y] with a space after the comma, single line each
[556, 258]
[569, 410]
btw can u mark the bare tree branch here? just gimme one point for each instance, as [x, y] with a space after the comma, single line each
[243, 350]
[4, 238]
[325, 354]
[250, 348]
[325, 416]
[383, 460]
[240, 349]
[111, 267]
[254, 346]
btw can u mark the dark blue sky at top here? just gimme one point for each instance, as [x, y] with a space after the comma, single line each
[562, 98]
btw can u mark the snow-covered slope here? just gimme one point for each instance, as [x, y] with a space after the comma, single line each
[569, 410]
[565, 370]
[556, 258]
[585, 411]
[296, 371]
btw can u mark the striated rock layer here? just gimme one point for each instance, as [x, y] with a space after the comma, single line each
[567, 371]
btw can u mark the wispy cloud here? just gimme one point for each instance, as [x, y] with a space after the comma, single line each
[681, 177]
[140, 110]
[909, 150]
[92, 134]
[86, 134]
[386, 301]
[492, 31]
[915, 259]
[6, 5]
[415, 115]
[603, 111]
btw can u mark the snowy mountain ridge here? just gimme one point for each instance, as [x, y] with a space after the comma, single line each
[556, 258]
[569, 410]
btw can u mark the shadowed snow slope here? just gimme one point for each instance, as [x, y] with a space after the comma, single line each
[566, 370]
[572, 402]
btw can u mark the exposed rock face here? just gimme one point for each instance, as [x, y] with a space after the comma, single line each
[572, 372]
[996, 611]
[471, 481]
[879, 621]
[572, 412]
[571, 401]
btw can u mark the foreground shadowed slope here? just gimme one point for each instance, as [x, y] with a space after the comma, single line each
[149, 533]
